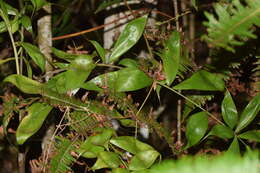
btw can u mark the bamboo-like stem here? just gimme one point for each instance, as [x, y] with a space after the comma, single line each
[176, 12]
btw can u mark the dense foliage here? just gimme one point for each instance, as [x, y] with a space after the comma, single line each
[165, 88]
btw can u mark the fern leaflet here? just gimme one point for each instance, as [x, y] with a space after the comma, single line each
[234, 24]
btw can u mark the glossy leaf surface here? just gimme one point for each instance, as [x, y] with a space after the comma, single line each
[249, 113]
[171, 57]
[30, 124]
[234, 147]
[127, 79]
[128, 38]
[202, 80]
[229, 111]
[196, 128]
[35, 54]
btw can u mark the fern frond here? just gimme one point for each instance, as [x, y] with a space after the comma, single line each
[234, 24]
[61, 162]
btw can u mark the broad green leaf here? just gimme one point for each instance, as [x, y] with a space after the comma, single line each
[131, 79]
[143, 160]
[222, 131]
[8, 9]
[89, 150]
[127, 79]
[35, 54]
[101, 51]
[171, 57]
[30, 124]
[103, 138]
[27, 24]
[129, 63]
[14, 25]
[202, 80]
[128, 38]
[234, 147]
[74, 77]
[253, 135]
[106, 3]
[249, 113]
[130, 144]
[37, 4]
[25, 84]
[107, 160]
[196, 128]
[229, 111]
[120, 170]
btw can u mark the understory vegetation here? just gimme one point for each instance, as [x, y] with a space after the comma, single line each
[129, 86]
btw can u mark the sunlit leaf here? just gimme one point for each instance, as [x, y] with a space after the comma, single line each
[128, 38]
[222, 131]
[30, 124]
[35, 54]
[202, 80]
[107, 160]
[171, 57]
[101, 51]
[229, 111]
[143, 160]
[253, 135]
[249, 113]
[25, 84]
[196, 128]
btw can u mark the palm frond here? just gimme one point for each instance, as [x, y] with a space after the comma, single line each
[234, 24]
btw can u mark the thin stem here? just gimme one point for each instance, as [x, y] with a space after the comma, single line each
[179, 121]
[15, 51]
[191, 101]
[176, 12]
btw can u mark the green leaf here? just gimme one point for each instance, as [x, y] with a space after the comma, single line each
[89, 150]
[35, 54]
[222, 131]
[234, 147]
[27, 24]
[202, 80]
[249, 113]
[103, 138]
[143, 160]
[253, 135]
[196, 128]
[120, 170]
[38, 4]
[127, 79]
[101, 51]
[74, 77]
[107, 160]
[25, 84]
[233, 25]
[229, 111]
[30, 124]
[128, 38]
[129, 63]
[171, 57]
[130, 144]
[105, 4]
[194, 4]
